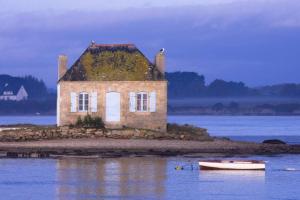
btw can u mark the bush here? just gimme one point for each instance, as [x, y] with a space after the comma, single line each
[90, 122]
[98, 122]
[79, 122]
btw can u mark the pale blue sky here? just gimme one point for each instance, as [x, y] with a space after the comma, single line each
[255, 41]
[96, 5]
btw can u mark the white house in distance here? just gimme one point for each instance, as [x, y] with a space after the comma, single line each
[11, 93]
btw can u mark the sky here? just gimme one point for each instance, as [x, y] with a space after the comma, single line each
[254, 41]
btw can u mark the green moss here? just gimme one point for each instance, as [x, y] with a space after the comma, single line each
[90, 122]
[115, 65]
[88, 62]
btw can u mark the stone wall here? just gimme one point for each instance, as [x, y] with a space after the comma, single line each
[63, 132]
[147, 120]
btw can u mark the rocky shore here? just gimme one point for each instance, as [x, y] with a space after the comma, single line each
[37, 141]
[18, 133]
[106, 147]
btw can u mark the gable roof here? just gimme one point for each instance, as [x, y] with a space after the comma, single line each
[112, 62]
[10, 88]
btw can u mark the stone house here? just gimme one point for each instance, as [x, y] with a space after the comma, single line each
[13, 93]
[115, 82]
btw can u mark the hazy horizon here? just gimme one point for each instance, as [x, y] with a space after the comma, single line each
[53, 87]
[256, 42]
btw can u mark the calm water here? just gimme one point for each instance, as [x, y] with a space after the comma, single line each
[38, 120]
[249, 128]
[155, 177]
[144, 178]
[217, 125]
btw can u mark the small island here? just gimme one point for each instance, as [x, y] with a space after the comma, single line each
[88, 141]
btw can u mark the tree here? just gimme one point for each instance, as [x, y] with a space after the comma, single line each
[221, 88]
[218, 107]
[185, 84]
[233, 106]
[35, 88]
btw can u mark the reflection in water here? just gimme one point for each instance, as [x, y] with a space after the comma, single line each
[245, 174]
[144, 178]
[242, 184]
[250, 176]
[111, 178]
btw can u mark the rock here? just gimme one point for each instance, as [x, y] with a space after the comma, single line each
[64, 128]
[108, 133]
[128, 133]
[115, 132]
[137, 134]
[64, 134]
[175, 132]
[190, 132]
[273, 141]
[90, 131]
[99, 133]
[222, 138]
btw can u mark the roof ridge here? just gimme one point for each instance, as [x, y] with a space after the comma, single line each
[129, 45]
[130, 53]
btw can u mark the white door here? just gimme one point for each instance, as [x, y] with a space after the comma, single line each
[112, 107]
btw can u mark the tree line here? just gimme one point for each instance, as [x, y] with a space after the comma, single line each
[40, 100]
[192, 85]
[36, 88]
[180, 85]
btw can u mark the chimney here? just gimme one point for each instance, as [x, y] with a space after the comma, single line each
[62, 65]
[160, 61]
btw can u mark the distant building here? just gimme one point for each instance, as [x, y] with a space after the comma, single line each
[115, 82]
[13, 93]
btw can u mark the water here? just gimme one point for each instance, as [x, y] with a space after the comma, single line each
[38, 120]
[247, 128]
[217, 125]
[243, 125]
[154, 177]
[241, 128]
[144, 178]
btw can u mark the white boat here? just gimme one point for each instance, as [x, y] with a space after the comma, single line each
[232, 165]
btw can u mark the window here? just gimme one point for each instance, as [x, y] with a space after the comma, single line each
[142, 102]
[145, 102]
[83, 102]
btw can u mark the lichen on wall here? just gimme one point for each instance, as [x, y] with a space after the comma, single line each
[115, 65]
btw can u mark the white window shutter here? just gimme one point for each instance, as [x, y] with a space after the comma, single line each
[94, 102]
[73, 102]
[132, 102]
[152, 101]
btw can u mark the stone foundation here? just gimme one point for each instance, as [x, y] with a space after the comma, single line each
[32, 133]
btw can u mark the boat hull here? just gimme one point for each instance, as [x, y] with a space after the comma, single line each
[231, 165]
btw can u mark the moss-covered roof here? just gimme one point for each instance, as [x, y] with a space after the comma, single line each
[115, 62]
